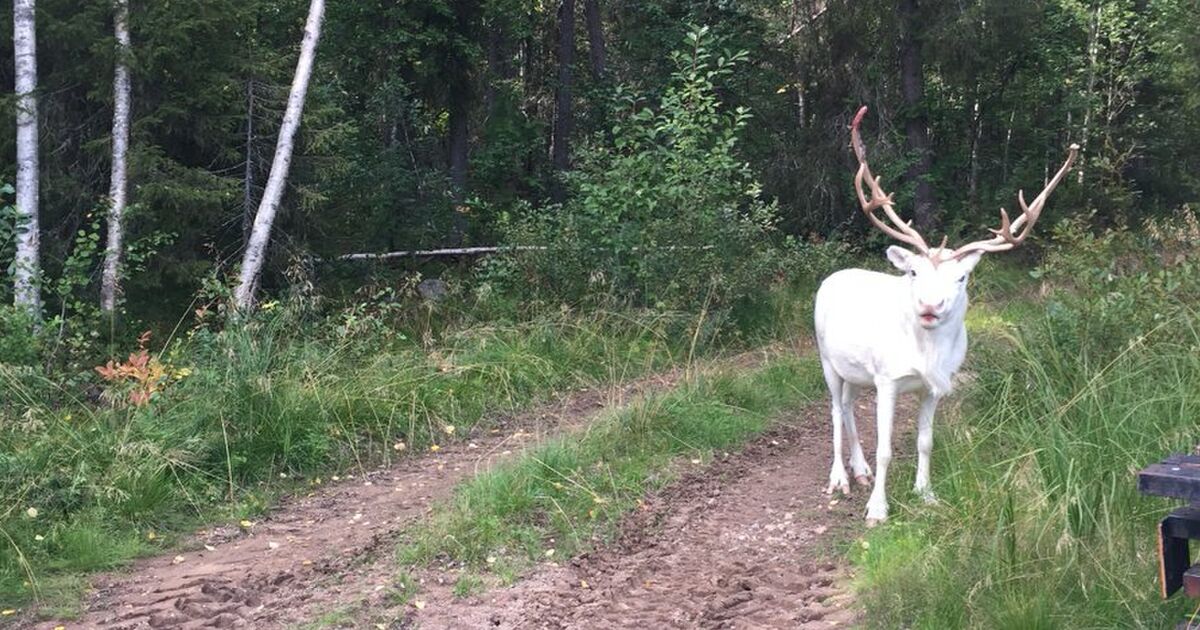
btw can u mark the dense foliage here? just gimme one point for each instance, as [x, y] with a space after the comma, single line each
[398, 86]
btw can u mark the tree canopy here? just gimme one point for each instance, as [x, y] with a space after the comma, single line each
[431, 123]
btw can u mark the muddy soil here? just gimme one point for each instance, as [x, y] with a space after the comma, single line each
[749, 541]
[294, 559]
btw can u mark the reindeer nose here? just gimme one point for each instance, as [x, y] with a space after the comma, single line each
[925, 306]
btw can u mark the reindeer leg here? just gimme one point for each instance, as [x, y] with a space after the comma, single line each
[858, 461]
[877, 506]
[837, 473]
[925, 447]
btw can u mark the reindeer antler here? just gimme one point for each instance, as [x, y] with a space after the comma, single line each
[1010, 233]
[899, 230]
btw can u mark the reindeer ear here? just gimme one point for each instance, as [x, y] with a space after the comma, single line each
[968, 261]
[901, 258]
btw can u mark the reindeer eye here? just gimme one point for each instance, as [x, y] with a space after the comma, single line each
[912, 272]
[963, 278]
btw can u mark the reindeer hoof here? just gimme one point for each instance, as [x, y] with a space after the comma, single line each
[876, 514]
[863, 480]
[927, 496]
[838, 486]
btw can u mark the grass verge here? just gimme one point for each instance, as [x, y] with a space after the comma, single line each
[565, 495]
[1040, 524]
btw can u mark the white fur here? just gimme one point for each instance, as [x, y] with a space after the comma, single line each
[870, 333]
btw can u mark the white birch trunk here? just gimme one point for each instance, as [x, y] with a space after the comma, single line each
[111, 277]
[27, 270]
[260, 234]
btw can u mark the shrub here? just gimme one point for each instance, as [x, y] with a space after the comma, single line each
[664, 212]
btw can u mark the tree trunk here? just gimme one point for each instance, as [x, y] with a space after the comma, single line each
[560, 147]
[260, 235]
[976, 137]
[801, 97]
[1093, 53]
[26, 269]
[495, 38]
[595, 29]
[912, 84]
[460, 111]
[248, 175]
[1008, 131]
[111, 277]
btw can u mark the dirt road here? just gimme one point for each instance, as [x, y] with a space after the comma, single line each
[258, 577]
[748, 540]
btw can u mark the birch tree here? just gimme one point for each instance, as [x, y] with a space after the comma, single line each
[27, 270]
[260, 234]
[110, 280]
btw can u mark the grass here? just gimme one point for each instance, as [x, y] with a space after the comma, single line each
[564, 496]
[1040, 524]
[264, 409]
[245, 413]
[468, 584]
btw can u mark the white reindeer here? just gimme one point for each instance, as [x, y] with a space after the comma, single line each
[900, 334]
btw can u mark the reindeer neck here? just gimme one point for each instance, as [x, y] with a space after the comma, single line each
[939, 350]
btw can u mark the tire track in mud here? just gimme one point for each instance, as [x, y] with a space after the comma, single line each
[748, 541]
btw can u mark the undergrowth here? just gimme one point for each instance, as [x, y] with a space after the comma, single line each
[249, 409]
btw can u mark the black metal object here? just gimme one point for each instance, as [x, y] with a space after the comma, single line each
[1177, 477]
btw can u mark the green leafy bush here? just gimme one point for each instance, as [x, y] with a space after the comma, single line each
[1116, 286]
[664, 212]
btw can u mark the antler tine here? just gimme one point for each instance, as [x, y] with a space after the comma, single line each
[1013, 232]
[899, 230]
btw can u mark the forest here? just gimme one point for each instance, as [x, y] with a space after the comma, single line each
[257, 252]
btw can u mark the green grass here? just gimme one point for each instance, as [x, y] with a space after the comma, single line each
[468, 584]
[1040, 524]
[265, 409]
[565, 495]
[274, 404]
